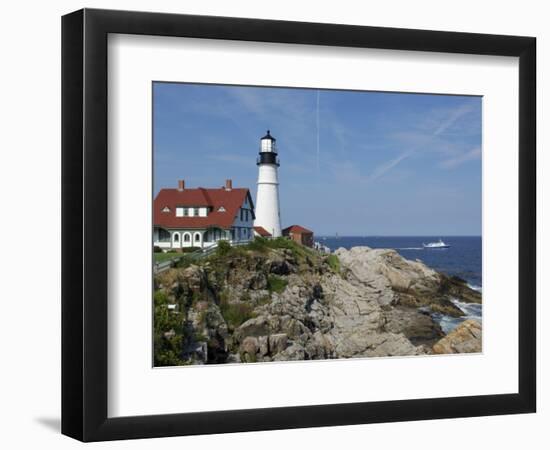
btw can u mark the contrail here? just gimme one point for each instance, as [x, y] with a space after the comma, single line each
[318, 165]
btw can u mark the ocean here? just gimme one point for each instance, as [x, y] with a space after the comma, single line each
[462, 259]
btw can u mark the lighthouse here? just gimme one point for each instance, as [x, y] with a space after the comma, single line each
[267, 198]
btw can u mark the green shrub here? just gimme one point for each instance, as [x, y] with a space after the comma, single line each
[157, 249]
[276, 284]
[160, 298]
[259, 244]
[168, 333]
[224, 247]
[184, 261]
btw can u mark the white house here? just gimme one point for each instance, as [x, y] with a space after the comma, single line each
[200, 217]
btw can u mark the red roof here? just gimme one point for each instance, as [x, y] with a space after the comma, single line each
[262, 231]
[231, 201]
[296, 229]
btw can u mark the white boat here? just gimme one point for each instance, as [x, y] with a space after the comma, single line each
[439, 244]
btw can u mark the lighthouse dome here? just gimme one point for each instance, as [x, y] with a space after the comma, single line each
[269, 137]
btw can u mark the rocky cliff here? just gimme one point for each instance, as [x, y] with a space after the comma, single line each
[278, 301]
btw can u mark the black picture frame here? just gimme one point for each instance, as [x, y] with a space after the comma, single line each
[84, 224]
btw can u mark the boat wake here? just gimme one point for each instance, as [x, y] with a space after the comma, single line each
[410, 248]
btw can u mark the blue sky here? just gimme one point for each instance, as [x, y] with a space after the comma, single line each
[352, 163]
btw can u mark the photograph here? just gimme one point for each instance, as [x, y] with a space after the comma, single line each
[295, 224]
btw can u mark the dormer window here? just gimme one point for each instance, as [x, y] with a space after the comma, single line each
[166, 209]
[221, 209]
[181, 211]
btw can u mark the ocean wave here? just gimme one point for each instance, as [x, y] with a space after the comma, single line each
[470, 310]
[449, 323]
[475, 287]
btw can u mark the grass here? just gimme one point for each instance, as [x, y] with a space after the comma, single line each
[334, 263]
[276, 284]
[235, 314]
[160, 257]
[262, 245]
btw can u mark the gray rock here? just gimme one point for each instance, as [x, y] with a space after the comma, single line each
[263, 343]
[233, 358]
[396, 280]
[280, 267]
[417, 326]
[294, 352]
[258, 326]
[465, 338]
[277, 343]
[250, 345]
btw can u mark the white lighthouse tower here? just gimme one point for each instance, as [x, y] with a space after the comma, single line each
[267, 199]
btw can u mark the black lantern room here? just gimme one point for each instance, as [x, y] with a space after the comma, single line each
[268, 150]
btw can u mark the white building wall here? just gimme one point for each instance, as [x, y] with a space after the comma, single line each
[195, 239]
[186, 238]
[267, 200]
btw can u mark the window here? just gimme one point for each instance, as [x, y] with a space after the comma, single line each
[176, 237]
[246, 215]
[196, 212]
[182, 212]
[197, 237]
[221, 209]
[165, 209]
[242, 214]
[186, 237]
[164, 236]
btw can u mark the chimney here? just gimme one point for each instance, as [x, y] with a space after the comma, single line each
[181, 185]
[228, 185]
